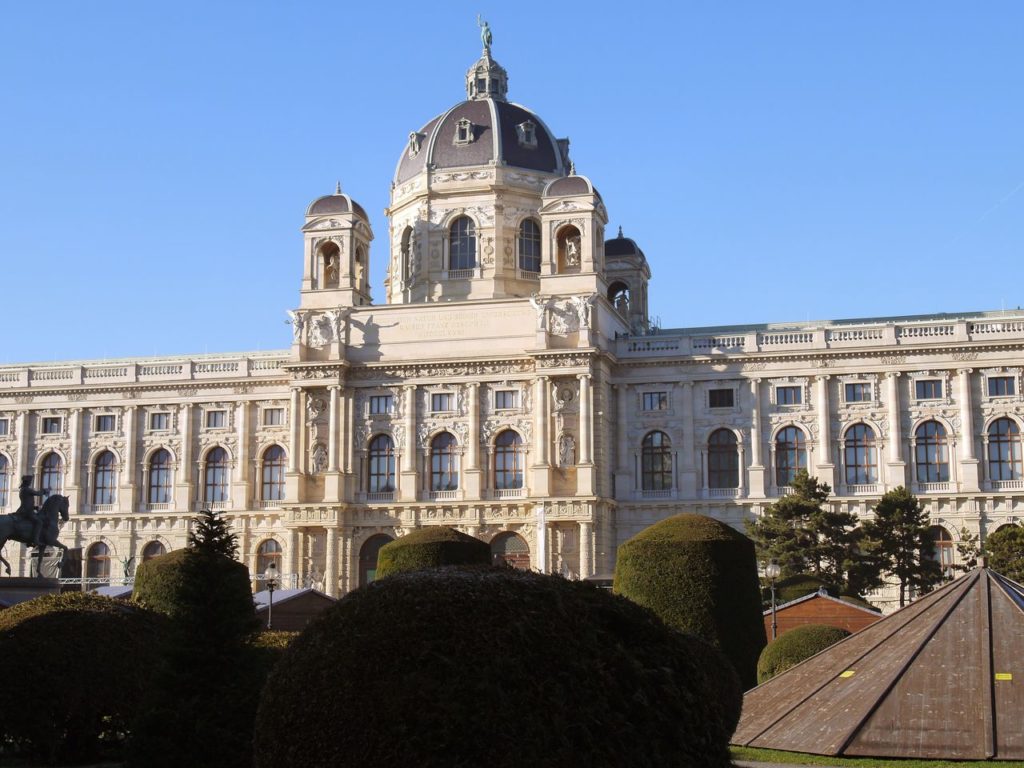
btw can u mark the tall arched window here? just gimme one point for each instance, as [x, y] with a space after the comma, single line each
[1004, 454]
[98, 561]
[656, 462]
[931, 453]
[5, 481]
[790, 455]
[52, 476]
[444, 463]
[103, 483]
[368, 557]
[269, 551]
[510, 549]
[215, 476]
[942, 553]
[153, 549]
[529, 246]
[160, 477]
[462, 244]
[272, 485]
[723, 460]
[381, 470]
[509, 460]
[860, 455]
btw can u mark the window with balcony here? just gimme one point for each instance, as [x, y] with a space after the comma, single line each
[931, 453]
[5, 480]
[860, 455]
[1004, 450]
[160, 477]
[381, 468]
[462, 244]
[529, 246]
[656, 462]
[509, 461]
[215, 476]
[723, 459]
[52, 474]
[272, 475]
[444, 463]
[103, 482]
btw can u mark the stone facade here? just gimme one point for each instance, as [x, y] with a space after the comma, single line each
[512, 384]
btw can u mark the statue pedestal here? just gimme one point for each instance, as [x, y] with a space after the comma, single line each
[18, 589]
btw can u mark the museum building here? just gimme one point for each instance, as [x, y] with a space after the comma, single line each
[512, 386]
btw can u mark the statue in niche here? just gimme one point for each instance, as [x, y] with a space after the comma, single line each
[572, 251]
[331, 269]
[319, 459]
[566, 451]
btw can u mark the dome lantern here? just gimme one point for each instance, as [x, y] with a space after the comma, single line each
[487, 79]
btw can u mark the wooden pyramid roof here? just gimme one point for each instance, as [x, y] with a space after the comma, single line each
[942, 678]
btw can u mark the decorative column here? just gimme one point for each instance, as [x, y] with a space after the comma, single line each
[586, 419]
[541, 467]
[756, 471]
[541, 526]
[332, 430]
[897, 467]
[126, 498]
[183, 493]
[348, 449]
[586, 549]
[240, 493]
[293, 554]
[473, 475]
[74, 458]
[23, 444]
[969, 469]
[295, 427]
[331, 562]
[688, 470]
[825, 468]
[407, 484]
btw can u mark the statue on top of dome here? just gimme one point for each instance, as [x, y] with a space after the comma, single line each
[485, 34]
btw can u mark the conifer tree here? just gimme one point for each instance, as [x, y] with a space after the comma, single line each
[1005, 550]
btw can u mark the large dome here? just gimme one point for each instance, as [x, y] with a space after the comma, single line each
[485, 129]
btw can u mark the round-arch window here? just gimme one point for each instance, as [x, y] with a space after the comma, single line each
[5, 481]
[509, 460]
[215, 481]
[153, 549]
[444, 463]
[1004, 450]
[656, 462]
[510, 549]
[98, 561]
[529, 246]
[160, 477]
[942, 541]
[723, 460]
[268, 552]
[860, 455]
[462, 244]
[381, 469]
[790, 455]
[272, 485]
[368, 557]
[52, 479]
[931, 453]
[103, 479]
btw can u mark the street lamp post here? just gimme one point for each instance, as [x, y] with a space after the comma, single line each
[270, 579]
[771, 572]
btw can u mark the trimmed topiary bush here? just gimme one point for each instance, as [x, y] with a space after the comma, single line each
[700, 576]
[455, 667]
[431, 547]
[80, 665]
[795, 646]
[800, 585]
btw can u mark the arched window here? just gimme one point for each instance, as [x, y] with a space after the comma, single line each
[529, 246]
[330, 264]
[381, 470]
[1004, 454]
[942, 542]
[98, 561]
[790, 455]
[723, 460]
[656, 462]
[160, 477]
[215, 476]
[269, 551]
[509, 460]
[462, 244]
[52, 479]
[360, 266]
[153, 549]
[931, 453]
[510, 549]
[444, 463]
[5, 481]
[103, 483]
[368, 557]
[272, 485]
[860, 455]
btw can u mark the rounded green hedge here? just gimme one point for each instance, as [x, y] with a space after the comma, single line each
[431, 547]
[455, 667]
[79, 665]
[700, 576]
[795, 646]
[794, 587]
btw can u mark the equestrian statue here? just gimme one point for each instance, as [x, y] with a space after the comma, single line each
[36, 527]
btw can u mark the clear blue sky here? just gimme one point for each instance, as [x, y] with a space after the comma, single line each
[776, 161]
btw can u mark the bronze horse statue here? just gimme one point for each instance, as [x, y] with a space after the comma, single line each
[15, 528]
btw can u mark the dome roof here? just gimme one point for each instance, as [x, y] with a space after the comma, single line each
[621, 246]
[339, 202]
[571, 185]
[484, 130]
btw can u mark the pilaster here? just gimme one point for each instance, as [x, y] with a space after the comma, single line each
[970, 475]
[896, 467]
[756, 473]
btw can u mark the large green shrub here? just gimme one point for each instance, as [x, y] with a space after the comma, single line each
[1005, 549]
[699, 576]
[431, 547]
[79, 665]
[467, 667]
[795, 646]
[800, 585]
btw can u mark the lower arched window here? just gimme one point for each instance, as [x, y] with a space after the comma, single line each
[444, 463]
[931, 453]
[790, 455]
[52, 474]
[510, 549]
[98, 561]
[160, 477]
[860, 455]
[529, 246]
[5, 481]
[269, 551]
[509, 460]
[942, 543]
[272, 481]
[215, 476]
[381, 470]
[1004, 450]
[656, 462]
[153, 549]
[368, 557]
[103, 483]
[723, 460]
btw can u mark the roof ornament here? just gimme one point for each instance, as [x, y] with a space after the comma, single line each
[572, 167]
[337, 188]
[485, 34]
[620, 231]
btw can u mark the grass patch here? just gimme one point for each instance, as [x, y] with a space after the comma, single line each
[799, 758]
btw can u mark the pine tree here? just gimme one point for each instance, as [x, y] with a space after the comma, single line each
[968, 550]
[898, 542]
[1005, 551]
[211, 535]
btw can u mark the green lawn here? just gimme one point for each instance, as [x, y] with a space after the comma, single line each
[798, 758]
